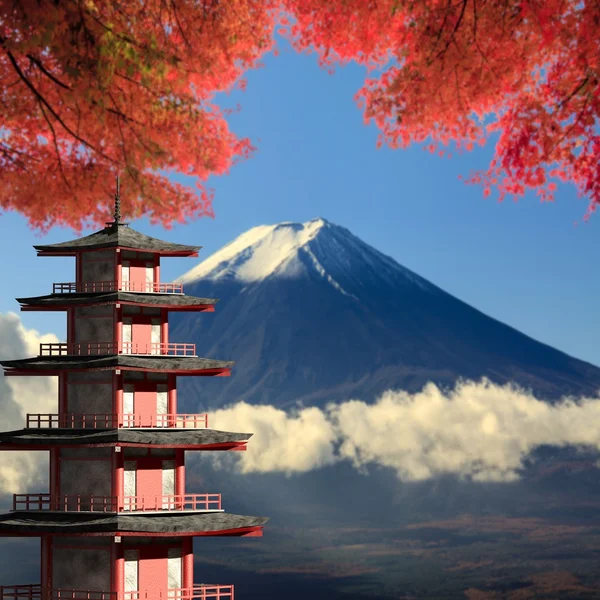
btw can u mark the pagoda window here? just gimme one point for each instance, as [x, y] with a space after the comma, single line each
[175, 568]
[130, 482]
[160, 567]
[148, 482]
[144, 404]
[142, 335]
[128, 396]
[132, 558]
[137, 276]
[155, 335]
[127, 329]
[149, 276]
[168, 482]
[125, 275]
[162, 402]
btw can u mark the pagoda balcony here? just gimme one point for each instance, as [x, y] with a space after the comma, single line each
[203, 591]
[91, 287]
[112, 504]
[114, 421]
[111, 348]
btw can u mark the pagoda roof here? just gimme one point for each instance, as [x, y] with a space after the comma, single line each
[35, 523]
[169, 364]
[173, 301]
[117, 235]
[209, 439]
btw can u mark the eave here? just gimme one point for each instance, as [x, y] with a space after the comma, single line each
[178, 365]
[55, 372]
[178, 253]
[169, 307]
[170, 437]
[241, 532]
[213, 524]
[229, 447]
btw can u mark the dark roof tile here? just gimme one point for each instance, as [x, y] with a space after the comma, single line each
[110, 297]
[113, 361]
[119, 236]
[156, 436]
[32, 522]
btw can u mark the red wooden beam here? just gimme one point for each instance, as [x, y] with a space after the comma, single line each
[53, 372]
[168, 307]
[241, 532]
[221, 447]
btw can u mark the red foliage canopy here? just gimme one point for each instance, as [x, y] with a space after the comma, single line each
[90, 87]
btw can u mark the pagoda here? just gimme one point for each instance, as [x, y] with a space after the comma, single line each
[116, 522]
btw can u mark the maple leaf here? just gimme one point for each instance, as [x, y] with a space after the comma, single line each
[527, 68]
[92, 88]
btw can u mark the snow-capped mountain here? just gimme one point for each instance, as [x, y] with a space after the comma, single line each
[277, 251]
[309, 312]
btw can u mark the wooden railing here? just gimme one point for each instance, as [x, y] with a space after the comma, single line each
[90, 287]
[204, 591]
[35, 592]
[114, 421]
[108, 348]
[112, 504]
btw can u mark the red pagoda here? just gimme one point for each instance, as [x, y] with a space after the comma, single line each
[117, 523]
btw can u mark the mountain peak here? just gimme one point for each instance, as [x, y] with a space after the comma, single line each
[291, 250]
[259, 252]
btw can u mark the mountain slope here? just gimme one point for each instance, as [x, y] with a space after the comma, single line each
[309, 312]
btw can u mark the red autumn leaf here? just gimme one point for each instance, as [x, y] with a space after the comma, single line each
[91, 88]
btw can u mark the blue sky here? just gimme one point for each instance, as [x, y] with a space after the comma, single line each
[525, 263]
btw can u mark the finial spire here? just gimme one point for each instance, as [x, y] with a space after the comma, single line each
[117, 213]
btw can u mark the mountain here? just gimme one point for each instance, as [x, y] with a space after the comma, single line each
[311, 313]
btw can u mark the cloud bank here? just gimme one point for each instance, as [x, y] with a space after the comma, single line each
[480, 431]
[22, 472]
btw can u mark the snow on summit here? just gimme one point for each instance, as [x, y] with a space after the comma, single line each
[256, 254]
[288, 249]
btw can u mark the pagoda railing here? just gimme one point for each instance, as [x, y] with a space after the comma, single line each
[112, 504]
[110, 348]
[114, 421]
[34, 592]
[90, 287]
[204, 591]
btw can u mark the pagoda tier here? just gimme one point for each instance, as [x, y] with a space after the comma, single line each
[65, 301]
[187, 439]
[119, 237]
[56, 365]
[35, 523]
[117, 522]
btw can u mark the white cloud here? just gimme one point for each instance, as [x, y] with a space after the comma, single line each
[479, 430]
[288, 442]
[22, 472]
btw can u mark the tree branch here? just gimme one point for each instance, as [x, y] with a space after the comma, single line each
[52, 111]
[60, 165]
